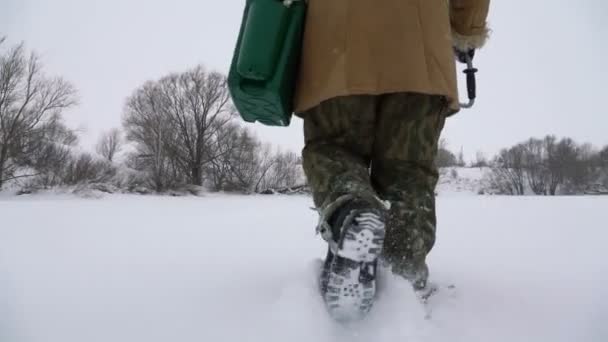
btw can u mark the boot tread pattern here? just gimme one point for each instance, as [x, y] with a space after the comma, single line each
[351, 286]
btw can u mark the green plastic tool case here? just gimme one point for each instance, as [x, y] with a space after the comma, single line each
[265, 64]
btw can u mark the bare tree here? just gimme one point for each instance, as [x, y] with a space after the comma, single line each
[197, 103]
[28, 101]
[151, 131]
[534, 157]
[284, 172]
[225, 144]
[180, 114]
[183, 130]
[244, 164]
[508, 174]
[110, 143]
[249, 163]
[50, 150]
[582, 173]
[561, 159]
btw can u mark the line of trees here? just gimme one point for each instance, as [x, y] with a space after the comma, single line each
[547, 166]
[184, 131]
[550, 166]
[180, 130]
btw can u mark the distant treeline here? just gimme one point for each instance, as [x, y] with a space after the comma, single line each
[547, 166]
[182, 132]
[178, 131]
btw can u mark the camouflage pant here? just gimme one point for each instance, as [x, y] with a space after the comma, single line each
[396, 136]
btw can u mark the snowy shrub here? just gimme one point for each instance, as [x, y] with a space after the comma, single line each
[85, 169]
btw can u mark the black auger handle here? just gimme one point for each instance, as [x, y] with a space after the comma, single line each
[470, 71]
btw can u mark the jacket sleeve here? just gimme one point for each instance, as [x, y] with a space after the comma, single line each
[468, 20]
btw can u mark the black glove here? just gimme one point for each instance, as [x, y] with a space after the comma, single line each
[461, 56]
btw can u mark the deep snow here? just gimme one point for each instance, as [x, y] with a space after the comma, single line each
[235, 268]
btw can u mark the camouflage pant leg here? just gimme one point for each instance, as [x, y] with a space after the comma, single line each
[404, 173]
[339, 135]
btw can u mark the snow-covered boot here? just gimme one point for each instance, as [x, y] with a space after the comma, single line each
[355, 233]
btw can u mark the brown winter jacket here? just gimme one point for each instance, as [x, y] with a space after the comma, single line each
[354, 47]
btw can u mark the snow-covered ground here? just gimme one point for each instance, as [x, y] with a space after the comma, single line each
[234, 268]
[462, 180]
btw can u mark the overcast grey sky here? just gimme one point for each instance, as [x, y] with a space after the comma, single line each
[544, 70]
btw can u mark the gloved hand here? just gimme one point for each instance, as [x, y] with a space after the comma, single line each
[461, 56]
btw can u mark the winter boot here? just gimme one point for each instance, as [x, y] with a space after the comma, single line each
[355, 234]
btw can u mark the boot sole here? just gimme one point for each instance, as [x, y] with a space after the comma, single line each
[351, 286]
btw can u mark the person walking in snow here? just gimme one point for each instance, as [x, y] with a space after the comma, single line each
[377, 81]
